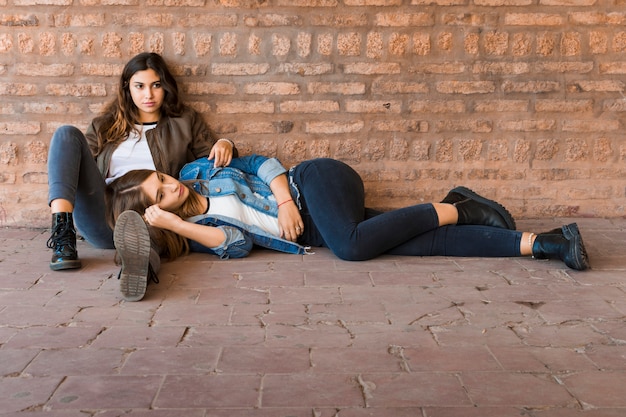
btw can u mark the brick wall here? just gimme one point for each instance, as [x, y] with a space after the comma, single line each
[522, 100]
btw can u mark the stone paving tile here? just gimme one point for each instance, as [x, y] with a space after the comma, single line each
[209, 391]
[277, 335]
[101, 392]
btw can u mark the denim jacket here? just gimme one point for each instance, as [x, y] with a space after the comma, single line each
[248, 178]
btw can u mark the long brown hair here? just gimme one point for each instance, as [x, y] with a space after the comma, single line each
[125, 193]
[122, 114]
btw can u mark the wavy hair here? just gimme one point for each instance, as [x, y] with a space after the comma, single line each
[125, 193]
[122, 114]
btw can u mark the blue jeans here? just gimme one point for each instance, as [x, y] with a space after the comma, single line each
[74, 176]
[333, 209]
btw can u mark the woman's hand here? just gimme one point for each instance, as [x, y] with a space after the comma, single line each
[222, 153]
[157, 217]
[290, 222]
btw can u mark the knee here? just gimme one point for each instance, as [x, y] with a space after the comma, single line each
[66, 133]
[350, 253]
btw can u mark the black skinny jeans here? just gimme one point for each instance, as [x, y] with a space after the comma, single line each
[333, 209]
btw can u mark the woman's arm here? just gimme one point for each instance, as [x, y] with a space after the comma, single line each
[290, 222]
[208, 236]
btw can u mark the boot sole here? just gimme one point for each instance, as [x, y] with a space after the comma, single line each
[132, 242]
[66, 265]
[502, 211]
[578, 254]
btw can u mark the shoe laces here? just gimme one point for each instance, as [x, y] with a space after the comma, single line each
[62, 236]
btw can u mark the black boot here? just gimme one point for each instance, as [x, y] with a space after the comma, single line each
[63, 242]
[565, 244]
[474, 209]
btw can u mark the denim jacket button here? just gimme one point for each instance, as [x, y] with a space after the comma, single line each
[266, 208]
[243, 196]
[218, 190]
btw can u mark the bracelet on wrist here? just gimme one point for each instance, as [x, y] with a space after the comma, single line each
[227, 140]
[285, 202]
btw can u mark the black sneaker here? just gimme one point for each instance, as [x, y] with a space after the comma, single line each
[132, 242]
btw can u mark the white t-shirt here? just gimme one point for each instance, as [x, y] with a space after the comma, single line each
[231, 206]
[133, 153]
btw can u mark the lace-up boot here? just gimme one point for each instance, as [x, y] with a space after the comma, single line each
[63, 242]
[478, 210]
[565, 244]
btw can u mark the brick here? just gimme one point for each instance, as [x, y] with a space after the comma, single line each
[366, 68]
[496, 43]
[467, 19]
[533, 19]
[564, 67]
[19, 20]
[78, 20]
[508, 68]
[37, 70]
[334, 127]
[444, 68]
[349, 44]
[8, 152]
[341, 20]
[591, 125]
[570, 44]
[281, 45]
[350, 150]
[404, 19]
[401, 126]
[228, 44]
[569, 106]
[521, 44]
[612, 68]
[444, 41]
[374, 45]
[209, 88]
[599, 86]
[481, 126]
[18, 89]
[336, 88]
[245, 107]
[53, 108]
[239, 69]
[432, 106]
[303, 44]
[317, 106]
[539, 125]
[104, 70]
[421, 44]
[272, 88]
[534, 87]
[372, 106]
[389, 87]
[465, 87]
[501, 106]
[596, 18]
[76, 90]
[143, 19]
[193, 20]
[19, 128]
[305, 69]
[274, 19]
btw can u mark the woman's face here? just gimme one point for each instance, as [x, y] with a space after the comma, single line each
[147, 94]
[165, 191]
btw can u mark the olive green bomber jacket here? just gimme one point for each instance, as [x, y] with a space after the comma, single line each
[173, 142]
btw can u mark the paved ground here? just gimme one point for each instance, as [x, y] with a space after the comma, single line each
[312, 336]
